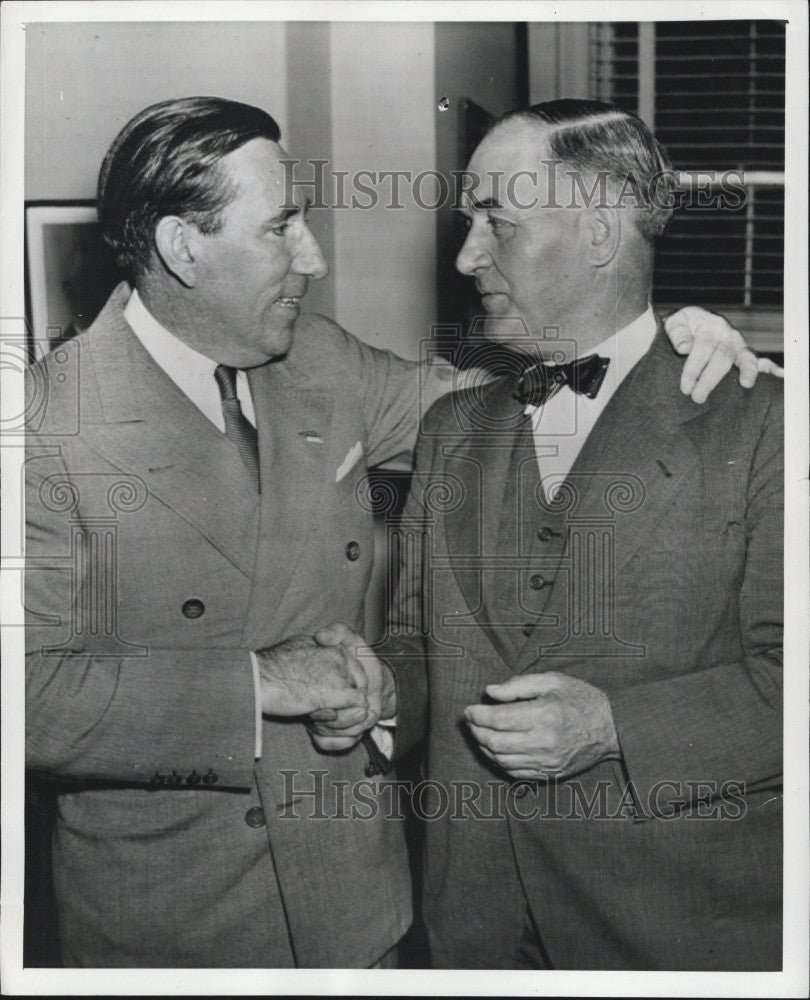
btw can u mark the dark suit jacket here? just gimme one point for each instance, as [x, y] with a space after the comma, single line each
[154, 567]
[657, 576]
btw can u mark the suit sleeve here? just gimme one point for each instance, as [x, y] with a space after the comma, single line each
[396, 394]
[93, 713]
[724, 723]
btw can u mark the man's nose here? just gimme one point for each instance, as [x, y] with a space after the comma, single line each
[472, 256]
[309, 258]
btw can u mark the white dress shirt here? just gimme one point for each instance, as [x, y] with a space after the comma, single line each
[562, 424]
[193, 374]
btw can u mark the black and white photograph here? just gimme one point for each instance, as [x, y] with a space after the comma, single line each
[405, 413]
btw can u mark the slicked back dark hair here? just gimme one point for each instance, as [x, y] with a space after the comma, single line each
[165, 161]
[593, 136]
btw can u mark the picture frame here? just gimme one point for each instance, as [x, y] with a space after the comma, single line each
[69, 271]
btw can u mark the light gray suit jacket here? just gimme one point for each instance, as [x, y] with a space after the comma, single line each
[657, 576]
[154, 567]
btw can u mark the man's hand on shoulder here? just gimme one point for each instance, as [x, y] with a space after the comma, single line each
[713, 346]
[545, 726]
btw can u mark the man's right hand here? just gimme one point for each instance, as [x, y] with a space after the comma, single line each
[299, 676]
[341, 730]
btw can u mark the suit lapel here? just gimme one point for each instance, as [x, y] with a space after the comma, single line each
[635, 448]
[482, 461]
[151, 429]
[298, 457]
[631, 470]
[148, 427]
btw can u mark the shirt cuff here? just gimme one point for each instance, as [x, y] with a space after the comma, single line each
[383, 736]
[257, 698]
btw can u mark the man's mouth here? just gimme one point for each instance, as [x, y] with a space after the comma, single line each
[482, 291]
[493, 300]
[292, 300]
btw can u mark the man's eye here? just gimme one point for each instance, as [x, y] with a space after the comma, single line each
[499, 225]
[279, 230]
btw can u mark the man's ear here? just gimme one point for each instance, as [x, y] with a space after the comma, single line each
[603, 234]
[174, 240]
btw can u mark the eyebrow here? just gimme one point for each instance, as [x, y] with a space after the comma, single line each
[288, 213]
[484, 203]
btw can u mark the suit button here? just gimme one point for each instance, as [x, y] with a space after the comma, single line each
[255, 817]
[537, 582]
[545, 534]
[353, 551]
[523, 790]
[528, 628]
[193, 607]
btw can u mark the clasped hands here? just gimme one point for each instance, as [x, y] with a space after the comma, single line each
[544, 726]
[333, 679]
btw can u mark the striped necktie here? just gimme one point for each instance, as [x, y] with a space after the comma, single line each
[238, 429]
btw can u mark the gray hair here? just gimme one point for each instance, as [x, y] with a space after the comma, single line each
[596, 137]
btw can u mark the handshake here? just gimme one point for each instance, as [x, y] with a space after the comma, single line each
[333, 678]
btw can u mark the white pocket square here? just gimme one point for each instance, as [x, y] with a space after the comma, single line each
[349, 461]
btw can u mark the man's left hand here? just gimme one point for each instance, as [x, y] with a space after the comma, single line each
[713, 346]
[546, 726]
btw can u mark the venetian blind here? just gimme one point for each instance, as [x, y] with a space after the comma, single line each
[714, 93]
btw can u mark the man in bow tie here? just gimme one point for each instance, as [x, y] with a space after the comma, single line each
[603, 559]
[193, 523]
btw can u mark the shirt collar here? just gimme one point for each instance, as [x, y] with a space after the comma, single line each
[627, 346]
[174, 356]
[191, 371]
[624, 349]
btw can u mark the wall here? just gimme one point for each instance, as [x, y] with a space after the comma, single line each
[84, 81]
[382, 119]
[558, 59]
[477, 61]
[309, 136]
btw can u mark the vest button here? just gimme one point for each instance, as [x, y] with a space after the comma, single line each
[545, 534]
[528, 628]
[255, 817]
[538, 581]
[193, 608]
[353, 551]
[522, 791]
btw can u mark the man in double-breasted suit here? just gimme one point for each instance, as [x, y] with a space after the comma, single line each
[599, 600]
[195, 515]
[167, 586]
